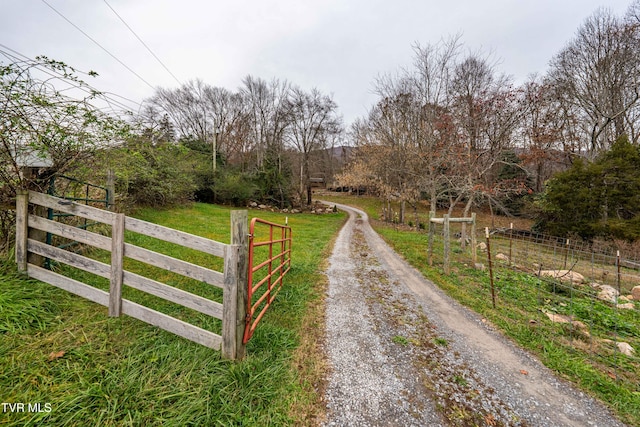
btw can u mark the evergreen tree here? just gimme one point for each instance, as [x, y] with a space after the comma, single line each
[601, 198]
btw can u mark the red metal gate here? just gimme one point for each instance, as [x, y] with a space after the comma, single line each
[270, 243]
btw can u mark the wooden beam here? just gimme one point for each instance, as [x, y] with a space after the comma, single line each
[174, 236]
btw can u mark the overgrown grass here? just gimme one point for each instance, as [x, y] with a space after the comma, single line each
[63, 351]
[589, 361]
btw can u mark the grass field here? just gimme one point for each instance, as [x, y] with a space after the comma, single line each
[85, 368]
[589, 359]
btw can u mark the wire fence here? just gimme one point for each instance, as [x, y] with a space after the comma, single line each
[573, 293]
[585, 289]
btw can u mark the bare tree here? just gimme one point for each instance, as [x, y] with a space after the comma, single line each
[431, 80]
[547, 132]
[268, 116]
[314, 122]
[598, 73]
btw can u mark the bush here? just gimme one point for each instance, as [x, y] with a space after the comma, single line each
[162, 175]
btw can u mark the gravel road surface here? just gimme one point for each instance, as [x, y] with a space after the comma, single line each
[404, 354]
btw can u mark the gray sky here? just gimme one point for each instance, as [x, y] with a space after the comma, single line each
[338, 46]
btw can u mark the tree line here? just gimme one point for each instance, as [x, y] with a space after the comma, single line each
[449, 129]
[453, 130]
[268, 134]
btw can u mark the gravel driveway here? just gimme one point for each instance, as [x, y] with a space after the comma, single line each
[404, 354]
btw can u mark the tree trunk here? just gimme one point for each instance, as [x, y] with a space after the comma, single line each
[463, 233]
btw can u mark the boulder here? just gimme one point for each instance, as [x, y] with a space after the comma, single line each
[626, 306]
[635, 292]
[561, 318]
[564, 275]
[608, 293]
[625, 348]
[262, 206]
[558, 318]
[502, 257]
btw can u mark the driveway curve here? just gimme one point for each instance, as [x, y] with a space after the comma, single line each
[402, 353]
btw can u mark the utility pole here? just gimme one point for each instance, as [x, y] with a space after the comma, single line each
[215, 147]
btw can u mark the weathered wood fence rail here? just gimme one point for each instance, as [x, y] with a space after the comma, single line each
[232, 280]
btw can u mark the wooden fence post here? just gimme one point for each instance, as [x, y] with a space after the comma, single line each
[117, 261]
[235, 297]
[474, 241]
[493, 292]
[22, 228]
[447, 243]
[431, 233]
[111, 190]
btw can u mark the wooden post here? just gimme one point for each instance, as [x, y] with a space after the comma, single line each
[235, 297]
[22, 227]
[510, 242]
[474, 242]
[117, 261]
[447, 243]
[111, 190]
[493, 292]
[431, 233]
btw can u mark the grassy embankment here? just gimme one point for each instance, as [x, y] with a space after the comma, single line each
[588, 360]
[88, 369]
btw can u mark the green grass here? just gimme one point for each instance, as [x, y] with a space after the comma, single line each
[120, 371]
[590, 362]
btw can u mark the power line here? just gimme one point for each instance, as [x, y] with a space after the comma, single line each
[143, 43]
[16, 56]
[99, 45]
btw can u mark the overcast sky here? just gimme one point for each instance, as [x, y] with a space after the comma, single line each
[338, 46]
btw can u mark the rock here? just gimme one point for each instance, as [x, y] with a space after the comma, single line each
[580, 325]
[626, 306]
[622, 299]
[608, 293]
[479, 266]
[502, 257]
[635, 292]
[630, 298]
[564, 275]
[262, 206]
[558, 318]
[253, 204]
[295, 211]
[482, 246]
[625, 348]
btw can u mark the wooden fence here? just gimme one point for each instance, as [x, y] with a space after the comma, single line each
[446, 220]
[232, 280]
